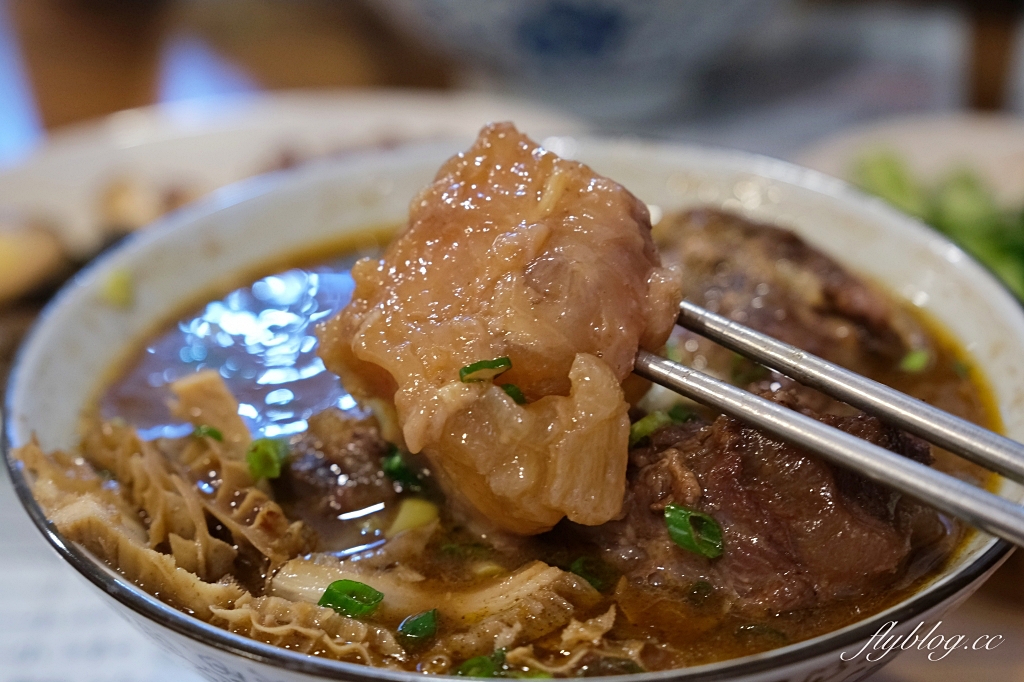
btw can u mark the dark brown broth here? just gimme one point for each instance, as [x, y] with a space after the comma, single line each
[260, 337]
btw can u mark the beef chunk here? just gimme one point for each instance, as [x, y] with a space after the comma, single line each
[337, 464]
[797, 531]
[770, 279]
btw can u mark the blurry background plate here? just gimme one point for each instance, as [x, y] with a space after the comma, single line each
[192, 147]
[992, 146]
[962, 174]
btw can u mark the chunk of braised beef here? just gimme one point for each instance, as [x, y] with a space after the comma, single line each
[650, 448]
[877, 500]
[337, 462]
[782, 285]
[770, 279]
[797, 531]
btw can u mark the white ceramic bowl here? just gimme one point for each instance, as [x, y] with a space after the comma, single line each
[79, 338]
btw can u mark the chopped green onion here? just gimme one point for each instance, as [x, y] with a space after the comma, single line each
[351, 598]
[484, 370]
[672, 351]
[483, 666]
[206, 431]
[265, 457]
[962, 369]
[679, 414]
[394, 467]
[915, 361]
[478, 666]
[694, 531]
[744, 372]
[647, 425]
[514, 393]
[468, 550]
[419, 629]
[594, 571]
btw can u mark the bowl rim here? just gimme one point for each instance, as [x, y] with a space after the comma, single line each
[150, 608]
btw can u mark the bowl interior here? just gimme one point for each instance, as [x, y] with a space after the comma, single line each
[193, 253]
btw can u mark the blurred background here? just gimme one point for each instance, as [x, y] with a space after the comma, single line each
[765, 75]
[920, 102]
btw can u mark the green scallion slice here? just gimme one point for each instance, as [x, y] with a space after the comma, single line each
[467, 550]
[206, 431]
[916, 361]
[351, 598]
[484, 370]
[417, 630]
[483, 666]
[679, 414]
[514, 393]
[647, 425]
[594, 571]
[672, 351]
[394, 467]
[265, 457]
[478, 666]
[694, 531]
[744, 372]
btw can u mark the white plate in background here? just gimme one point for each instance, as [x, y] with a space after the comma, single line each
[207, 143]
[933, 146]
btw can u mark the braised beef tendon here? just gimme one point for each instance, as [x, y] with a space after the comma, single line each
[501, 325]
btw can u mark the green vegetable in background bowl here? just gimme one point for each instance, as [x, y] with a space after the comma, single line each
[960, 206]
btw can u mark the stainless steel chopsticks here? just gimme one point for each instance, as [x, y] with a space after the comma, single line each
[975, 506]
[957, 435]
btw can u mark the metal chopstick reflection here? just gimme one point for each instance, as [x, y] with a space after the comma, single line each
[970, 441]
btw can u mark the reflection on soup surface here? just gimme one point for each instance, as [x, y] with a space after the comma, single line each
[487, 490]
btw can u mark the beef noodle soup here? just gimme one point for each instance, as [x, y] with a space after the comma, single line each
[433, 456]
